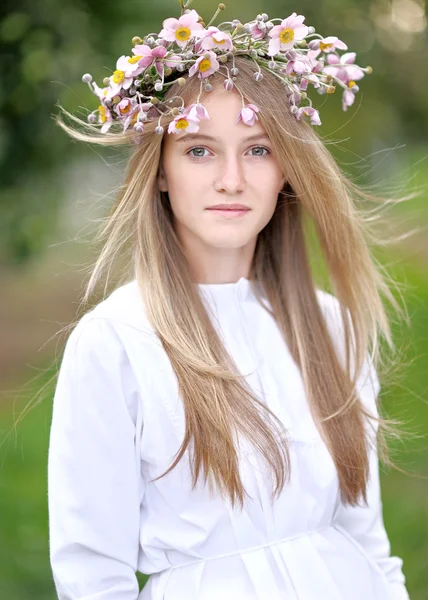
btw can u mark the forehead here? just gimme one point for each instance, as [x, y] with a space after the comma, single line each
[222, 126]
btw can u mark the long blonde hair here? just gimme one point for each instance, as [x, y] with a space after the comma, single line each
[217, 400]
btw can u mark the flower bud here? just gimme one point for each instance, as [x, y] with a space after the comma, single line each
[136, 40]
[150, 40]
[247, 28]
[175, 111]
[290, 54]
[168, 71]
[189, 55]
[181, 81]
[87, 78]
[258, 76]
[236, 22]
[106, 80]
[314, 44]
[92, 118]
[221, 6]
[158, 86]
[154, 100]
[254, 52]
[369, 70]
[272, 64]
[293, 109]
[228, 85]
[159, 129]
[355, 88]
[222, 58]
[142, 116]
[311, 30]
[139, 127]
[137, 83]
[303, 95]
[330, 89]
[265, 16]
[208, 87]
[259, 18]
[234, 71]
[240, 26]
[181, 67]
[269, 25]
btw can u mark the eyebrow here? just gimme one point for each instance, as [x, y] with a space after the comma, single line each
[201, 136]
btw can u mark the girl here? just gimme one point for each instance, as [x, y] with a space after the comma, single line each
[215, 421]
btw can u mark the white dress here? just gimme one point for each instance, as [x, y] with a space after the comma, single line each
[118, 422]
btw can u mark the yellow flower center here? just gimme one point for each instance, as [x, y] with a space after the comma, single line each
[102, 113]
[182, 34]
[219, 41]
[118, 76]
[286, 35]
[134, 59]
[126, 109]
[330, 89]
[325, 46]
[204, 65]
[182, 123]
[351, 84]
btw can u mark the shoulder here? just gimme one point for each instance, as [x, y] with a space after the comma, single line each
[108, 325]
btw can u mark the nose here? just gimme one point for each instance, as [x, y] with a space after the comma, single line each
[230, 177]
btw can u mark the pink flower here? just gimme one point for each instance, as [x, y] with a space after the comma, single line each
[196, 112]
[338, 67]
[205, 66]
[146, 56]
[300, 65]
[182, 29]
[214, 38]
[248, 114]
[330, 43]
[123, 107]
[311, 112]
[256, 32]
[129, 65]
[284, 35]
[105, 117]
[183, 123]
[101, 93]
[119, 80]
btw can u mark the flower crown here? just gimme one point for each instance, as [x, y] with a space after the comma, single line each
[291, 51]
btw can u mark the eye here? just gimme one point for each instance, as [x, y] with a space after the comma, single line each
[201, 155]
[261, 148]
[197, 155]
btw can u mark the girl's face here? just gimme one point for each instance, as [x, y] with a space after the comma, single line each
[224, 162]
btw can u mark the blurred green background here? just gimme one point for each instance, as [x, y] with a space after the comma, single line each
[53, 191]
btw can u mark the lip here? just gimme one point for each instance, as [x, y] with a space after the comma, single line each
[228, 207]
[228, 212]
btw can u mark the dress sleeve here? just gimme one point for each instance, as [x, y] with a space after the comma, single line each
[365, 524]
[94, 487]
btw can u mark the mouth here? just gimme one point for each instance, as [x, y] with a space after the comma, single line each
[229, 212]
